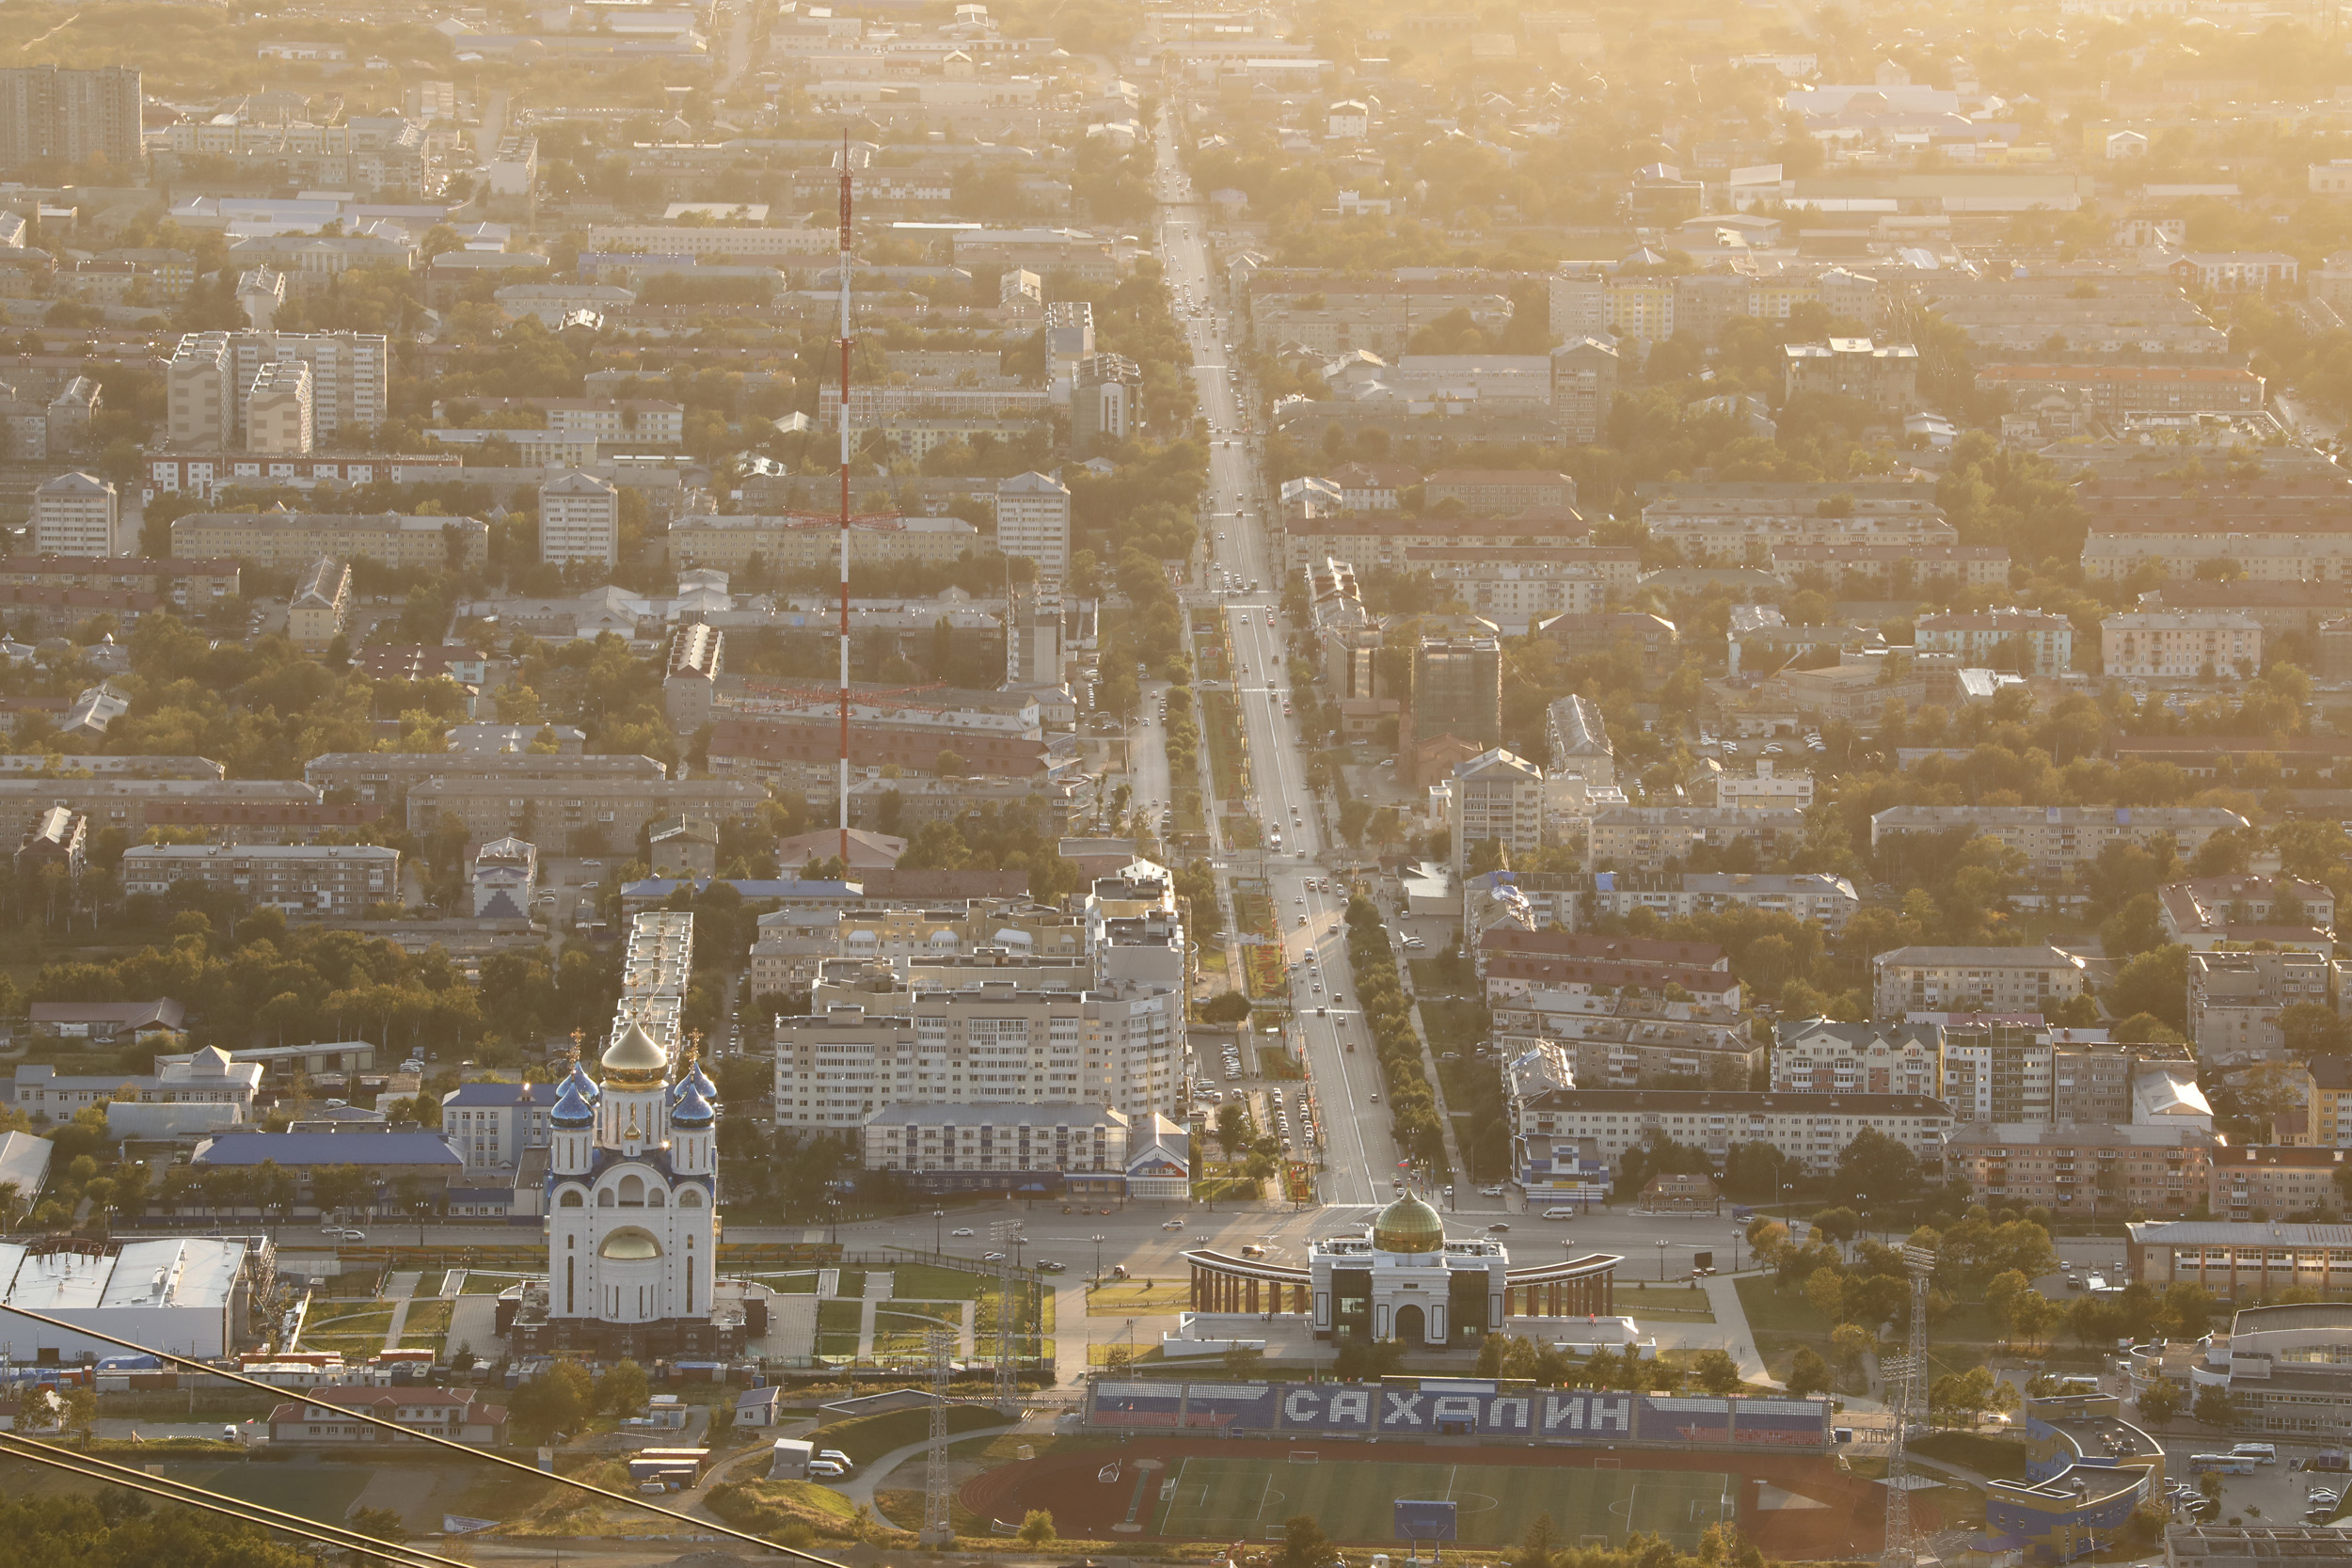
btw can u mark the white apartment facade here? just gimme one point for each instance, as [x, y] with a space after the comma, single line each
[210, 373]
[1975, 979]
[1766, 789]
[580, 519]
[1497, 795]
[1118, 1045]
[75, 514]
[2180, 644]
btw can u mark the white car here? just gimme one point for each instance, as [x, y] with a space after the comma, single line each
[961, 1233]
[1171, 1224]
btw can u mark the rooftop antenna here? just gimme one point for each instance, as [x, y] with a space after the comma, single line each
[845, 520]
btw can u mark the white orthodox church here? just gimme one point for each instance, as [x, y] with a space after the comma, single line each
[632, 1213]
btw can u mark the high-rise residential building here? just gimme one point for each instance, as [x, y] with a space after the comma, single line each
[278, 413]
[1583, 387]
[75, 116]
[580, 519]
[350, 381]
[1457, 689]
[1497, 795]
[75, 514]
[201, 393]
[1033, 522]
[1102, 407]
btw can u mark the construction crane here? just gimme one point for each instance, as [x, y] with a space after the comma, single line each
[844, 519]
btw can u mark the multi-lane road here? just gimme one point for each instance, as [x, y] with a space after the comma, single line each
[1360, 1157]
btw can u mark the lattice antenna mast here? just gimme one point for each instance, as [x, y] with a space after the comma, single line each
[846, 449]
[1901, 1549]
[842, 519]
[938, 1527]
[1007, 1235]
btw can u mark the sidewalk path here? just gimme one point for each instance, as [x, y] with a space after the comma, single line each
[402, 1290]
[1731, 1328]
[860, 1488]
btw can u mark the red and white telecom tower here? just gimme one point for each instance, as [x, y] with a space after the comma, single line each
[844, 519]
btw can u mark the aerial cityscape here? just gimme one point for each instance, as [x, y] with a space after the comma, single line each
[1249, 783]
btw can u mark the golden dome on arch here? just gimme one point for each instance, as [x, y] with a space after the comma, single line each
[1408, 1224]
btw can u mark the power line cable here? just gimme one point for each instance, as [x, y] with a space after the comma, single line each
[435, 1439]
[191, 1496]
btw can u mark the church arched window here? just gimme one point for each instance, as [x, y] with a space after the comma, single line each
[632, 1192]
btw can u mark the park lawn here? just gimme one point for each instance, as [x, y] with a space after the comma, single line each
[866, 1438]
[347, 1326]
[949, 1312]
[480, 1284]
[1782, 1323]
[1139, 1298]
[851, 1285]
[1430, 979]
[1455, 1023]
[1653, 1302]
[428, 1317]
[927, 1282]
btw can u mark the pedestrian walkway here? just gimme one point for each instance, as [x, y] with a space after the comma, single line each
[399, 1291]
[1429, 1065]
[1731, 1331]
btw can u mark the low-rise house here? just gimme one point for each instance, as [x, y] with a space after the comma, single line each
[336, 1413]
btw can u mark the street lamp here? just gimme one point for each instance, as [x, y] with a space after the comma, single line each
[939, 1241]
[1661, 1263]
[1098, 1259]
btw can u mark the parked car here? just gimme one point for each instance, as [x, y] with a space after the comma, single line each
[961, 1232]
[825, 1470]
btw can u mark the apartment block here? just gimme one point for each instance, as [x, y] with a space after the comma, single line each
[300, 879]
[1577, 736]
[1119, 1046]
[728, 544]
[75, 514]
[1499, 492]
[281, 412]
[2180, 644]
[973, 1147]
[2327, 1084]
[295, 539]
[1654, 838]
[2088, 1171]
[2273, 1181]
[1815, 1056]
[1457, 691]
[583, 815]
[1500, 796]
[320, 608]
[2206, 912]
[1765, 789]
[349, 379]
[386, 778]
[51, 114]
[1567, 1127]
[689, 680]
[2235, 999]
[133, 804]
[2022, 641]
[1885, 375]
[1033, 522]
[1816, 897]
[492, 1126]
[1598, 1052]
[2060, 841]
[1974, 979]
[580, 519]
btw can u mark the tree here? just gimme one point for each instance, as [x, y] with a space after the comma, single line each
[1874, 1163]
[1536, 1547]
[1232, 1127]
[1808, 1373]
[1304, 1544]
[385, 1524]
[624, 1390]
[78, 1412]
[1825, 1292]
[1232, 1007]
[557, 1401]
[1839, 1225]
[2161, 1400]
[2215, 1407]
[1717, 1372]
[1037, 1526]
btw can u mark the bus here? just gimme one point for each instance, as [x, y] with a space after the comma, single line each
[2261, 1453]
[2222, 1464]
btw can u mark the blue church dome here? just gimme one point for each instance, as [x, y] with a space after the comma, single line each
[692, 1109]
[570, 1109]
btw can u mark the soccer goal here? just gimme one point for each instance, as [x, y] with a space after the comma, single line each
[1608, 1462]
[1305, 1456]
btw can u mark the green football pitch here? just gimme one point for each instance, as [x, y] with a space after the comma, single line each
[1249, 1499]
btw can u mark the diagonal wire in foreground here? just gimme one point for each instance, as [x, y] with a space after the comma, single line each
[432, 1439]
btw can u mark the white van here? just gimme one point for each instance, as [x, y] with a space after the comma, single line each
[1560, 1212]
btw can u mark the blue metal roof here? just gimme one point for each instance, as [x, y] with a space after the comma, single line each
[327, 1148]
